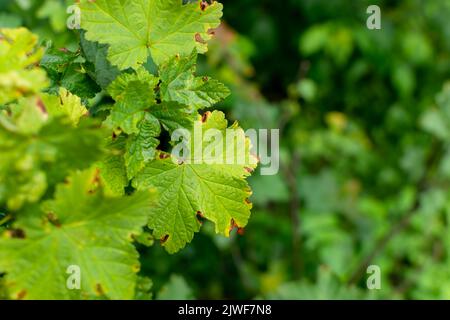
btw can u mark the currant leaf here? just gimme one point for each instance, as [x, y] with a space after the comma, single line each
[217, 192]
[80, 227]
[39, 149]
[134, 93]
[179, 84]
[141, 147]
[18, 56]
[135, 29]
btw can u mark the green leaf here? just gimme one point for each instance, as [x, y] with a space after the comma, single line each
[112, 168]
[127, 117]
[133, 93]
[141, 147]
[18, 56]
[80, 227]
[38, 150]
[217, 192]
[67, 69]
[95, 53]
[27, 116]
[173, 115]
[143, 289]
[134, 29]
[145, 239]
[57, 60]
[65, 104]
[114, 175]
[130, 87]
[76, 80]
[179, 84]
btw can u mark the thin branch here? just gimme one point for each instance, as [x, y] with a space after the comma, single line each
[238, 261]
[433, 158]
[381, 244]
[294, 209]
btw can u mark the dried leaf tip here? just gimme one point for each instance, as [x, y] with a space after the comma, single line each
[203, 5]
[205, 116]
[164, 239]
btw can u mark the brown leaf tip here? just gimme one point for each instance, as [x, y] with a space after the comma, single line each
[21, 295]
[199, 38]
[164, 239]
[205, 116]
[233, 225]
[203, 5]
[200, 217]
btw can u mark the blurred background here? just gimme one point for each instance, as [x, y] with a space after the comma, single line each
[365, 149]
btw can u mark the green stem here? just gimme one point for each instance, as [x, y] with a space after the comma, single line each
[5, 220]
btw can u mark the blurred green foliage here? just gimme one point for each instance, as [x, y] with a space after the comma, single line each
[365, 150]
